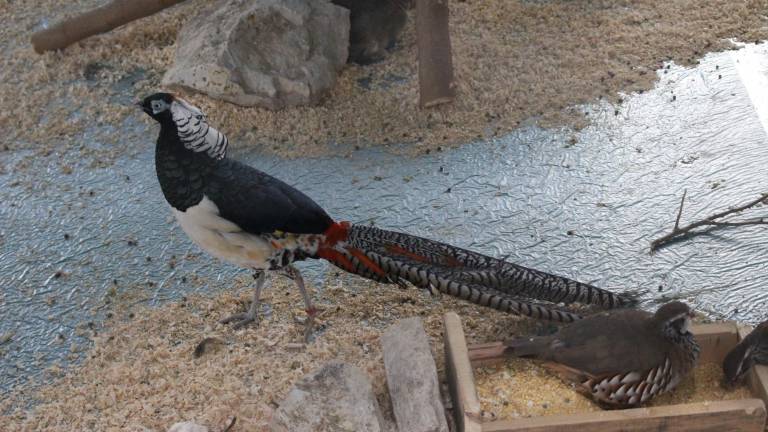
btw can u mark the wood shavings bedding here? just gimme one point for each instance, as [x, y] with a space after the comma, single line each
[515, 61]
[141, 373]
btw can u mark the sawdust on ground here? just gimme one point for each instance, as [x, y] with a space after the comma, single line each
[515, 61]
[523, 388]
[141, 374]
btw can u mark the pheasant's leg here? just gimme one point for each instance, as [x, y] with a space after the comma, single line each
[245, 318]
[293, 273]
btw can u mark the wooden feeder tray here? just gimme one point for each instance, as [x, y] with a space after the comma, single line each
[715, 341]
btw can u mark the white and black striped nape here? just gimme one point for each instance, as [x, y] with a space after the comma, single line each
[194, 131]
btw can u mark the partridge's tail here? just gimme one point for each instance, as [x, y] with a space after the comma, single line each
[393, 257]
[528, 347]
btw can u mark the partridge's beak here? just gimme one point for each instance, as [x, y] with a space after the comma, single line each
[728, 384]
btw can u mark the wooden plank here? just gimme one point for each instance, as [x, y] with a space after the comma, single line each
[461, 381]
[757, 377]
[485, 354]
[746, 415]
[715, 340]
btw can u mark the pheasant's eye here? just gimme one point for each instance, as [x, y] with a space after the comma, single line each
[158, 106]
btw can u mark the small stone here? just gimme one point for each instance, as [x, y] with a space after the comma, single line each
[187, 427]
[295, 346]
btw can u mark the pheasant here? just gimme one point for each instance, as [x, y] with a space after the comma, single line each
[618, 358]
[248, 218]
[752, 350]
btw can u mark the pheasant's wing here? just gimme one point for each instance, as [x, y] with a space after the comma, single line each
[610, 342]
[617, 389]
[259, 203]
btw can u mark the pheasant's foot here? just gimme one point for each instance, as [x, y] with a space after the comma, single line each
[309, 322]
[240, 320]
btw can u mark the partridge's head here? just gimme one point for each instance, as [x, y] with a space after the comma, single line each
[157, 106]
[674, 318]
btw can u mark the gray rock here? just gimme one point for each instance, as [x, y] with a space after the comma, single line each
[412, 378]
[336, 398]
[267, 53]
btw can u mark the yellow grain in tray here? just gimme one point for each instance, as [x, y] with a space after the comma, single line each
[523, 388]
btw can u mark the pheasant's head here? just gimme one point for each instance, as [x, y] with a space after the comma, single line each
[157, 106]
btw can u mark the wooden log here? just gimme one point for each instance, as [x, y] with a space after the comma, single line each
[436, 84]
[99, 20]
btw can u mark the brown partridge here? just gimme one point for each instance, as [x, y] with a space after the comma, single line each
[619, 358]
[753, 349]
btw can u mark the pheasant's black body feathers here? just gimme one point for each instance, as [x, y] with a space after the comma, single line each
[259, 203]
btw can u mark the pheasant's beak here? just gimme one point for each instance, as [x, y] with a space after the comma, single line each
[141, 106]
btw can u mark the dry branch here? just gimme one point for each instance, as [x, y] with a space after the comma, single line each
[99, 20]
[436, 85]
[710, 221]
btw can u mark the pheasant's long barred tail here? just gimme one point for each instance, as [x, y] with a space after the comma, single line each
[476, 269]
[426, 276]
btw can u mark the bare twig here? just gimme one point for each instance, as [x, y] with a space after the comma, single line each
[680, 211]
[231, 424]
[710, 221]
[756, 221]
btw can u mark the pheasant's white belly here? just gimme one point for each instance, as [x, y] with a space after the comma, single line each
[222, 238]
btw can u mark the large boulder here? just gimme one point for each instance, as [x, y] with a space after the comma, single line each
[267, 53]
[336, 398]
